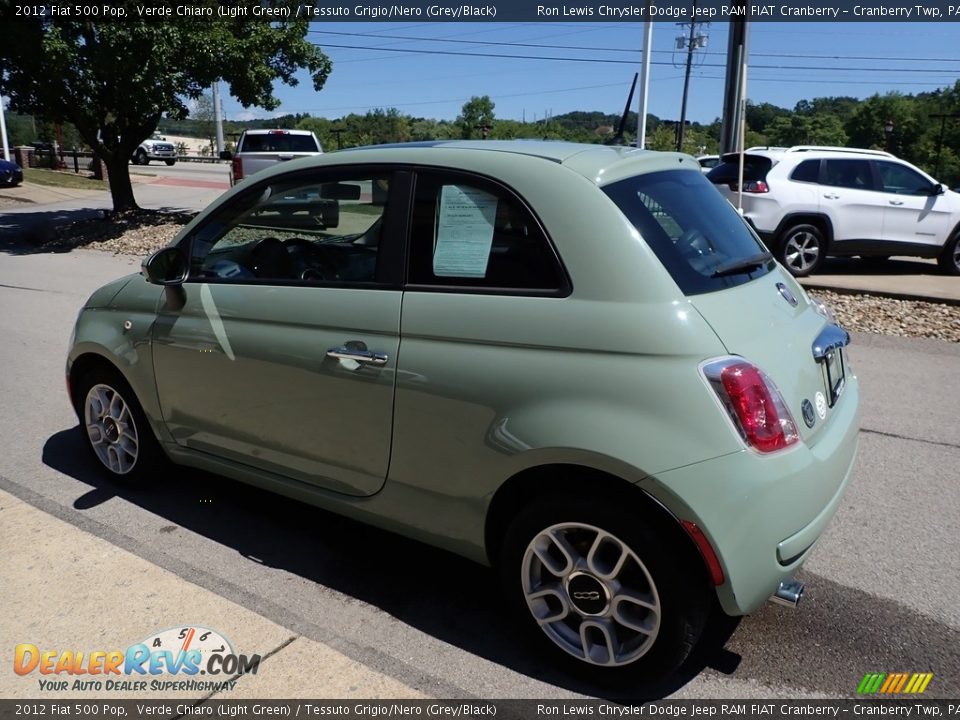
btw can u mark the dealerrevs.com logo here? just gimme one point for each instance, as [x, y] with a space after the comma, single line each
[169, 660]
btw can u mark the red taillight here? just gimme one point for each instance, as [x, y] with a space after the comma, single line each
[754, 404]
[237, 169]
[752, 186]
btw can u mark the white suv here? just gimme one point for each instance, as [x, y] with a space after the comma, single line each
[807, 202]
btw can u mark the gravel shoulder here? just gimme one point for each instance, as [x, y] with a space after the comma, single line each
[142, 232]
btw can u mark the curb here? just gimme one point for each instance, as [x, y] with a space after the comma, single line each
[954, 302]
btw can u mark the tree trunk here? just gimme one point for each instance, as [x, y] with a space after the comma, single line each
[121, 190]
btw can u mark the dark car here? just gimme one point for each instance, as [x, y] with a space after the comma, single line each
[10, 173]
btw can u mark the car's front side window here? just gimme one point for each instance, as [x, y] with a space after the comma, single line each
[902, 180]
[467, 232]
[311, 229]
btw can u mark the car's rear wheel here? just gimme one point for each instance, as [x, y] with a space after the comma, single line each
[801, 249]
[950, 256]
[114, 427]
[599, 588]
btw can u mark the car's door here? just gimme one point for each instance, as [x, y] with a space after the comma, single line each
[911, 214]
[280, 351]
[849, 197]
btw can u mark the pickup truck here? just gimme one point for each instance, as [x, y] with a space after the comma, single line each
[156, 148]
[260, 149]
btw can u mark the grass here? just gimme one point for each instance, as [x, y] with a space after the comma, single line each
[54, 178]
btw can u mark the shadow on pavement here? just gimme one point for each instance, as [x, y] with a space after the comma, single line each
[441, 594]
[876, 266]
[456, 601]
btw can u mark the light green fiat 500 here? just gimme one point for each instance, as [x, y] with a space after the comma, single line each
[573, 362]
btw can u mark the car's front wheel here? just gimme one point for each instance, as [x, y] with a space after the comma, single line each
[114, 427]
[801, 249]
[169, 162]
[602, 590]
[950, 256]
[140, 158]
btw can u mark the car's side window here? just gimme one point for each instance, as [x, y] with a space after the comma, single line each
[470, 233]
[807, 171]
[902, 180]
[846, 173]
[311, 229]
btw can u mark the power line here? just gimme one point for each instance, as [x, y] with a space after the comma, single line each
[507, 56]
[547, 46]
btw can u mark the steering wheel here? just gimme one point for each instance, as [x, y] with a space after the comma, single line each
[308, 261]
[269, 259]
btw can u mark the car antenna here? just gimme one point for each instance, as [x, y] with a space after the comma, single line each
[618, 138]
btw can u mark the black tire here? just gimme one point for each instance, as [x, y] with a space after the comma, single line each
[112, 455]
[140, 158]
[169, 162]
[801, 249]
[663, 566]
[949, 259]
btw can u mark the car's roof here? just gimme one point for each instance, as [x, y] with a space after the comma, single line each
[269, 131]
[601, 164]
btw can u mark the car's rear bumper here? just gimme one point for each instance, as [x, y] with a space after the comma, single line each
[763, 514]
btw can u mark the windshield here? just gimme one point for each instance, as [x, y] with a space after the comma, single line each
[701, 240]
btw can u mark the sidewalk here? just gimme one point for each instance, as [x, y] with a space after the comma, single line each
[68, 590]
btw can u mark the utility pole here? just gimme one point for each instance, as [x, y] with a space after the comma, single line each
[644, 80]
[694, 42]
[3, 132]
[218, 116]
[733, 89]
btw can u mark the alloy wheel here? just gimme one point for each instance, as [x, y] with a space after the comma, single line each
[801, 252]
[111, 429]
[591, 594]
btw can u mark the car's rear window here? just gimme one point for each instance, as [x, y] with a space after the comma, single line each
[278, 142]
[693, 230]
[755, 167]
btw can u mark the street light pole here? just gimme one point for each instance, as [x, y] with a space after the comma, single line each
[3, 132]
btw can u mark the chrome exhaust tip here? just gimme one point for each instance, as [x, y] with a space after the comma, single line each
[788, 594]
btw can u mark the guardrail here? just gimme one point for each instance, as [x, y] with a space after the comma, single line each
[31, 157]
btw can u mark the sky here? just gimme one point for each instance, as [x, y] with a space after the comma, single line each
[374, 66]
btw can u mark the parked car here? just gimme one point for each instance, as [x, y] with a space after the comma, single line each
[708, 162]
[11, 174]
[156, 148]
[259, 149]
[808, 202]
[575, 363]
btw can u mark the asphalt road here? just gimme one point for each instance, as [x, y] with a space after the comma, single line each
[882, 586]
[210, 172]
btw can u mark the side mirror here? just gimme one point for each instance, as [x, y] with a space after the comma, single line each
[167, 266]
[226, 155]
[936, 189]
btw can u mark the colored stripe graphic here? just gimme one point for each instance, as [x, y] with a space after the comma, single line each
[894, 683]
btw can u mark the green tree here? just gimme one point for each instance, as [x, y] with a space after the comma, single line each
[69, 70]
[819, 129]
[477, 112]
[206, 118]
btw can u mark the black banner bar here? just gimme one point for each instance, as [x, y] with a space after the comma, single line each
[103, 709]
[929, 11]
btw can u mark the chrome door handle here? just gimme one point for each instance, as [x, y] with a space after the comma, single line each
[831, 196]
[358, 351]
[896, 202]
